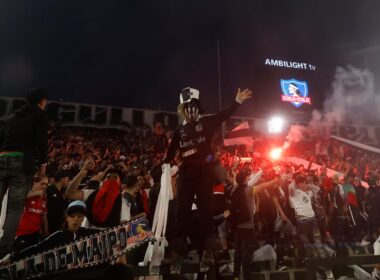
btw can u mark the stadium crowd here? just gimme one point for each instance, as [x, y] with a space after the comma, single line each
[299, 211]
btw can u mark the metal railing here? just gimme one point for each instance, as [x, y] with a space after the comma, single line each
[313, 263]
[176, 269]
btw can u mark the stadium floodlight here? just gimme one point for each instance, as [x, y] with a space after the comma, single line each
[275, 125]
[276, 153]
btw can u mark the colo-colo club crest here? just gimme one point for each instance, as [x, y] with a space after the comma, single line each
[295, 92]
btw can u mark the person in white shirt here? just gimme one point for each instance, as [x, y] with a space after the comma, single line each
[300, 198]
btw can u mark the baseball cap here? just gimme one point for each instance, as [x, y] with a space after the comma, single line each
[76, 206]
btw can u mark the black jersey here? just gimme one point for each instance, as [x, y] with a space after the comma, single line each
[193, 139]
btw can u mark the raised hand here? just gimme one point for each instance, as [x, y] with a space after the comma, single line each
[244, 95]
[89, 164]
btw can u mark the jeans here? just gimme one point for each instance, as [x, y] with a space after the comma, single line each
[305, 230]
[309, 237]
[340, 229]
[14, 179]
[244, 247]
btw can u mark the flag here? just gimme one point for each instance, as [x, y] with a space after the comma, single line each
[240, 135]
[156, 250]
[351, 197]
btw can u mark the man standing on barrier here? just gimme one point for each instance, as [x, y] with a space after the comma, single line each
[193, 141]
[23, 150]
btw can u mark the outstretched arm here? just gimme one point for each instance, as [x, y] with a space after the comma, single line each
[223, 115]
[254, 178]
[263, 186]
[72, 191]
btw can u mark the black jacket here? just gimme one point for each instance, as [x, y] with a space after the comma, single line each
[242, 206]
[56, 205]
[26, 130]
[373, 197]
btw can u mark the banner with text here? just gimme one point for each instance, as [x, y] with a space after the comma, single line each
[93, 250]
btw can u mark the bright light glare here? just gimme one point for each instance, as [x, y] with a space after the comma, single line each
[275, 125]
[276, 153]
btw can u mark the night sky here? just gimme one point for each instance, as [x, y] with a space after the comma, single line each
[141, 53]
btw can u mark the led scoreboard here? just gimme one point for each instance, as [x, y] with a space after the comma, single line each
[291, 88]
